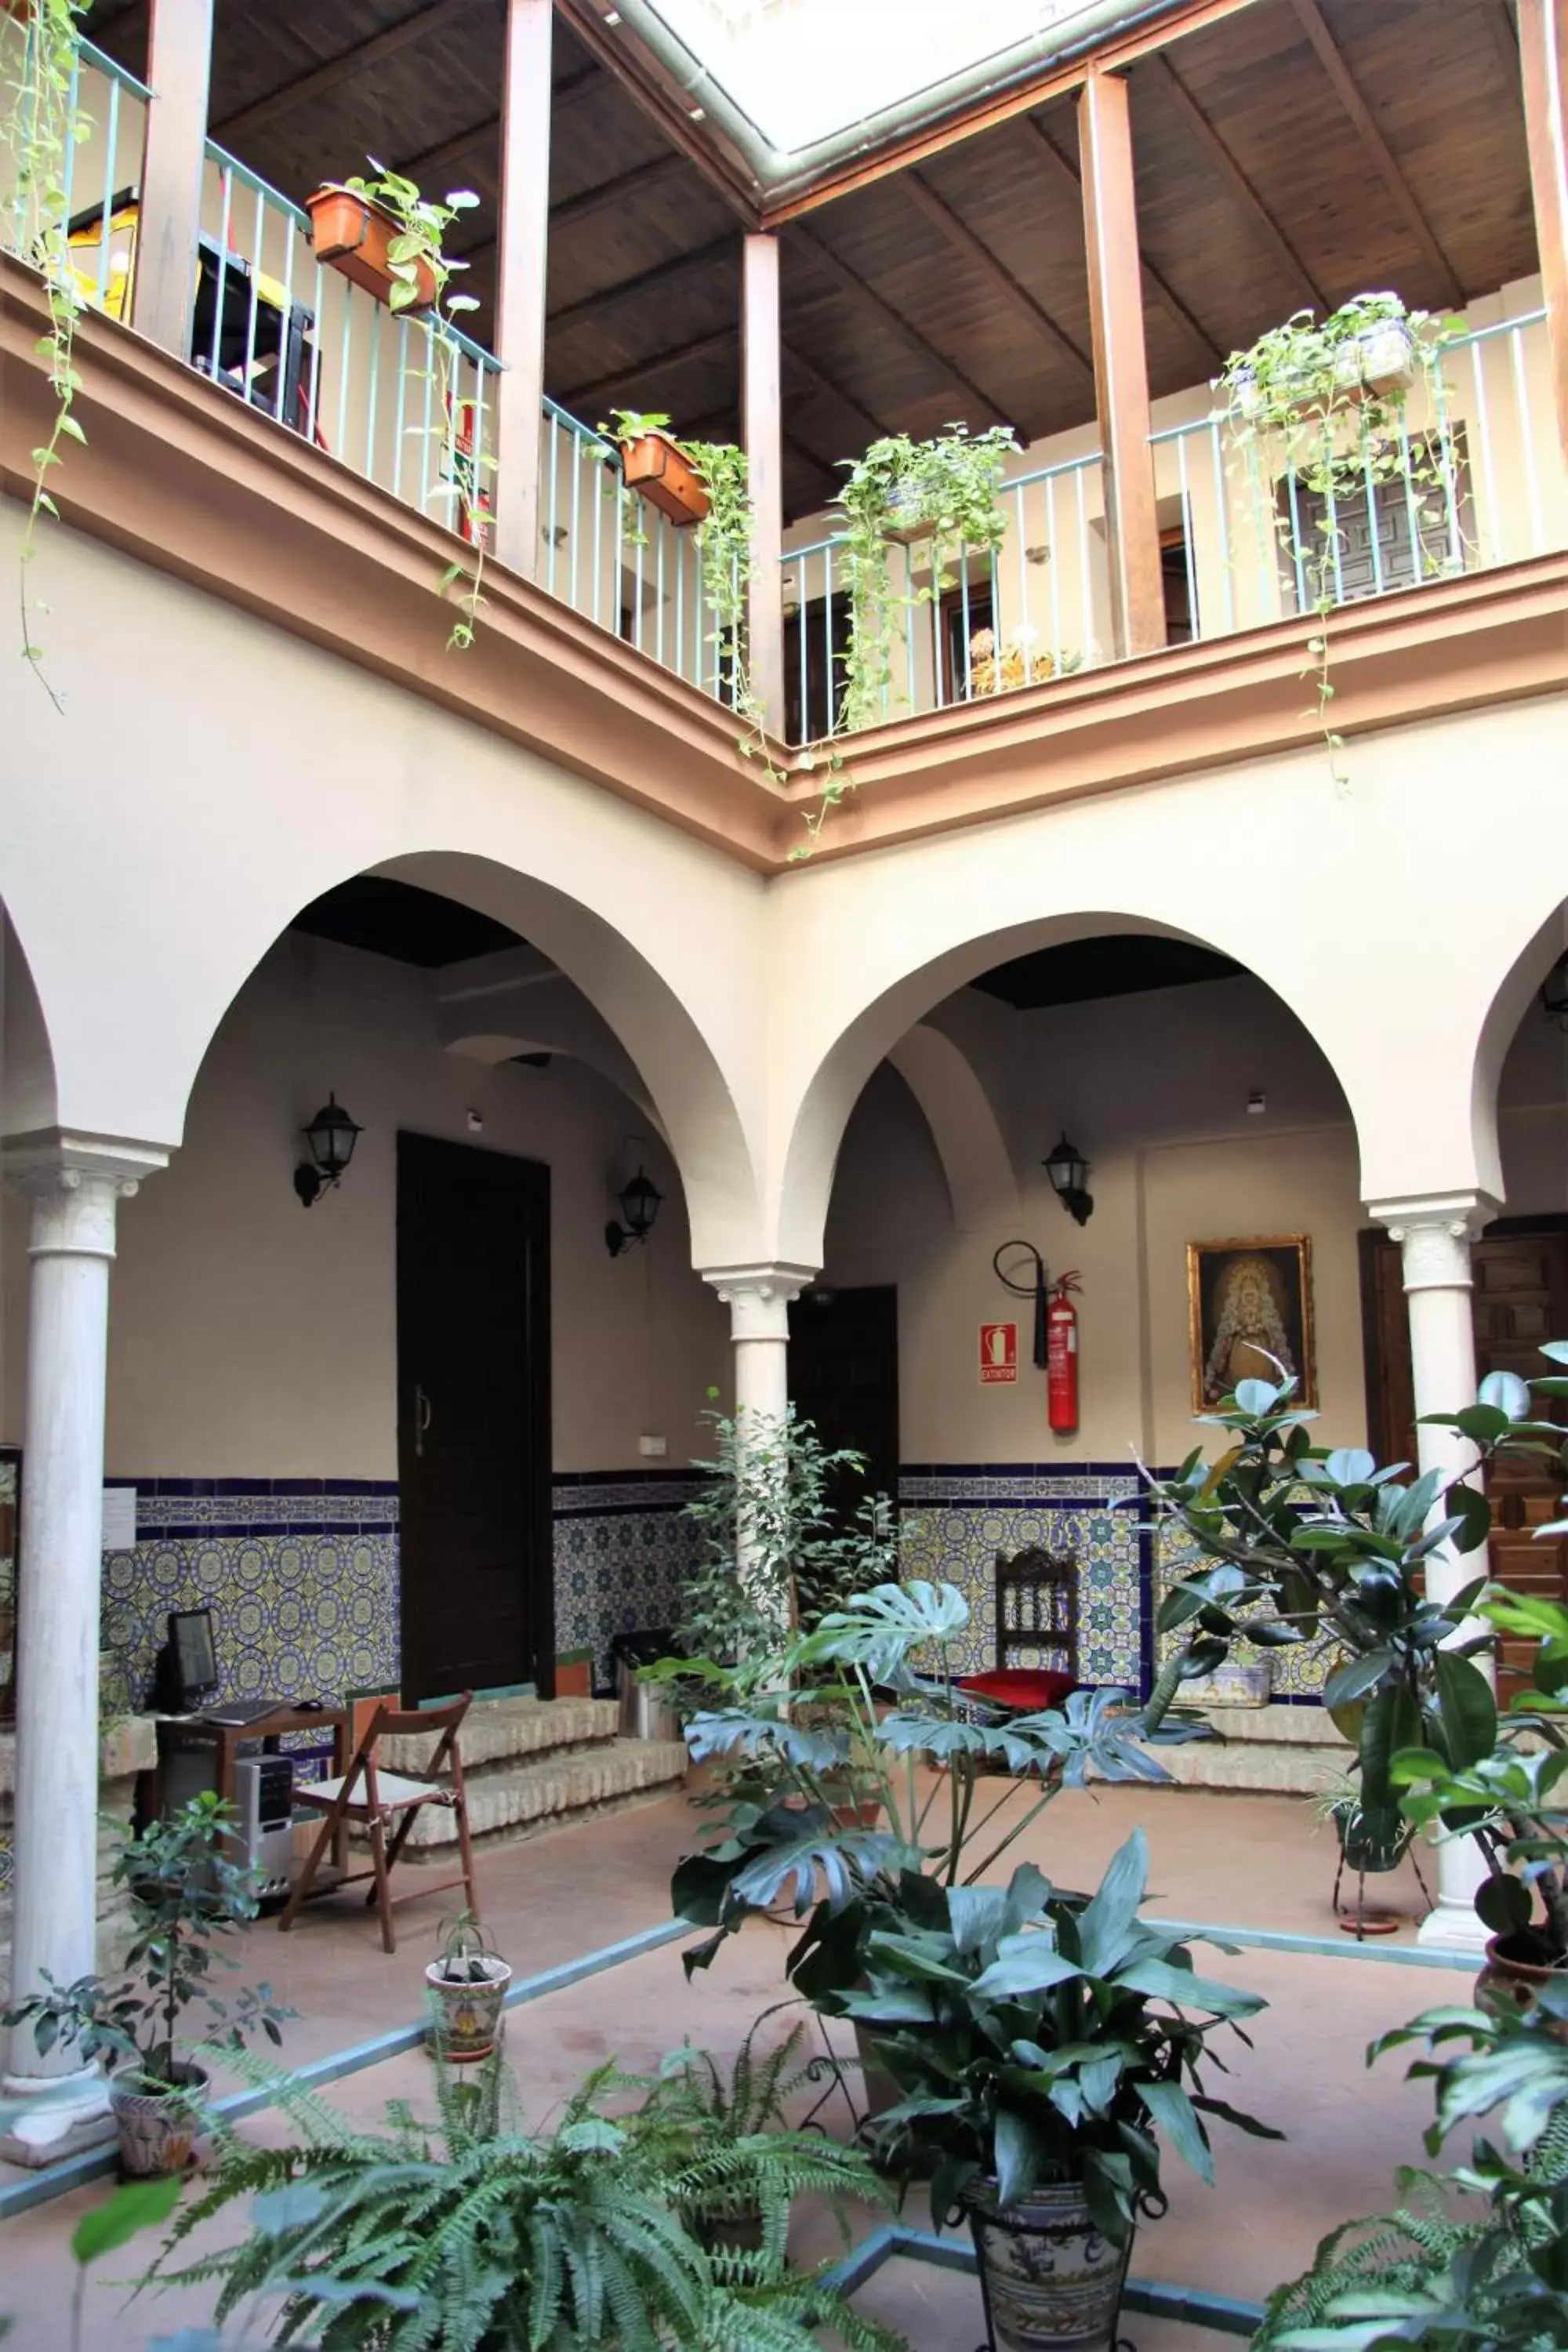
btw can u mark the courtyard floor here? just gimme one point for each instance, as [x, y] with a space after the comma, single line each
[1256, 1864]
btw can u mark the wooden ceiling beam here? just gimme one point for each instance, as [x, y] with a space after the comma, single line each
[640, 181]
[657, 363]
[1236, 179]
[850, 282]
[1378, 152]
[302, 88]
[794, 357]
[721, 248]
[965, 241]
[564, 95]
[1158, 288]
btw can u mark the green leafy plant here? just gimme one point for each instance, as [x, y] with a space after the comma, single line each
[417, 246]
[949, 486]
[43, 123]
[186, 1894]
[1299, 409]
[1040, 2039]
[425, 2233]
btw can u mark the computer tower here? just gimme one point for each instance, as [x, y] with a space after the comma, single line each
[264, 1801]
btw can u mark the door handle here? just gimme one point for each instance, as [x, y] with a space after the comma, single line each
[421, 1420]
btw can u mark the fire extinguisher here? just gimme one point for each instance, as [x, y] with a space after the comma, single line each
[1061, 1354]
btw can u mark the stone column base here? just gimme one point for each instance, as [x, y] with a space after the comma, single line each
[1453, 1927]
[43, 2123]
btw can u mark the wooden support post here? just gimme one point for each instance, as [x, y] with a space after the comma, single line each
[1121, 364]
[179, 62]
[1543, 60]
[524, 244]
[761, 429]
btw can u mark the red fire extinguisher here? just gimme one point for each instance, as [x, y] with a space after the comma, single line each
[1061, 1354]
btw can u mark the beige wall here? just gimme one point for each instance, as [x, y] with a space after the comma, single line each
[1154, 1088]
[252, 1337]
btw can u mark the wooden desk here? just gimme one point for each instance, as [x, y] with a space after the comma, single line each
[181, 1733]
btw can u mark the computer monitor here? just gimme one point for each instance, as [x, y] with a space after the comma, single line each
[187, 1676]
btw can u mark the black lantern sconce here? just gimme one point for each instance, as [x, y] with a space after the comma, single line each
[332, 1136]
[1555, 993]
[639, 1203]
[1068, 1171]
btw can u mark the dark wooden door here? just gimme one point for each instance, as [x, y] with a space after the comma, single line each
[473, 1419]
[844, 1380]
[1520, 1299]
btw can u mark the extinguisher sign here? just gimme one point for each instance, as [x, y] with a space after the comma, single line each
[998, 1353]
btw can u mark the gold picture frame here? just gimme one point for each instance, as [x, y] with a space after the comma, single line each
[1250, 1296]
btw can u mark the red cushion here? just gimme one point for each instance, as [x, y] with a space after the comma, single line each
[1031, 1689]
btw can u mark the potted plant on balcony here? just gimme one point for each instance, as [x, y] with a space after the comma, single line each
[657, 466]
[1044, 2047]
[467, 1981]
[186, 1894]
[946, 490]
[360, 238]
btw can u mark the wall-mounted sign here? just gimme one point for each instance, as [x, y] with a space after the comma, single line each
[998, 1353]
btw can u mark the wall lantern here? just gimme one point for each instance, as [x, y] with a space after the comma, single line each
[1067, 1170]
[639, 1202]
[1555, 993]
[332, 1136]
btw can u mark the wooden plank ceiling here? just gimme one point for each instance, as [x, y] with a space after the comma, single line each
[1298, 151]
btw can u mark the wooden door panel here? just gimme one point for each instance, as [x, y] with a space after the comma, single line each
[473, 1343]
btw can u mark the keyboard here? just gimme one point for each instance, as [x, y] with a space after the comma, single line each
[242, 1710]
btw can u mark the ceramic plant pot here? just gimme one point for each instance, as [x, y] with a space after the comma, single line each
[468, 2016]
[353, 236]
[1051, 2282]
[1362, 1849]
[656, 470]
[158, 2129]
[1508, 1985]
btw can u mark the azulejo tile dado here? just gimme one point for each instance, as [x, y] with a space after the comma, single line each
[1296, 1673]
[625, 1552]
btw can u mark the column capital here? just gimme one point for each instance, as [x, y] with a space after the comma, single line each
[759, 1296]
[1435, 1231]
[75, 1183]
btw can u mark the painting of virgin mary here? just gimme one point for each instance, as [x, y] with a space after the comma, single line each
[1251, 1311]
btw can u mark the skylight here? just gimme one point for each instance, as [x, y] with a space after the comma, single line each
[807, 70]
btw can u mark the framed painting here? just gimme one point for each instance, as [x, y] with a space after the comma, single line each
[1250, 1309]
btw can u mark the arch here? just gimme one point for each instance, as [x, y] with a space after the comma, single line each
[1509, 1000]
[512, 1005]
[871, 1029]
[29, 1100]
[976, 1160]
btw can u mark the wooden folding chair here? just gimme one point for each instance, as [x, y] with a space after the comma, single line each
[390, 1801]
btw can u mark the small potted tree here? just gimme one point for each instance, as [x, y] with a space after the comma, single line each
[1044, 2047]
[468, 1983]
[186, 1894]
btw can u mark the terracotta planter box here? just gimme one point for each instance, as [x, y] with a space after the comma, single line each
[354, 235]
[654, 468]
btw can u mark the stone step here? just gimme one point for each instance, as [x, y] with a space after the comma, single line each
[1288, 1750]
[496, 1731]
[506, 1805]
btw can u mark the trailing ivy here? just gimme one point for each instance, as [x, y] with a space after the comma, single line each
[419, 243]
[1310, 405]
[43, 122]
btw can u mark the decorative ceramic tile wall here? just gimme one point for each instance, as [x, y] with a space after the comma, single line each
[301, 1575]
[958, 1516]
[623, 1554]
[1296, 1675]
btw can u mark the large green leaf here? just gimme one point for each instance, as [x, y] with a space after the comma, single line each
[1357, 1678]
[1392, 1720]
[140, 2205]
[1106, 1924]
[978, 1914]
[1026, 1964]
[1161, 1982]
[1466, 1706]
[1173, 2115]
[1017, 2159]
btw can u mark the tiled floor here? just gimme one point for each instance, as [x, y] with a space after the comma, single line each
[1235, 1861]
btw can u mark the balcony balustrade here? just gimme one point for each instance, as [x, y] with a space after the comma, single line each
[1478, 479]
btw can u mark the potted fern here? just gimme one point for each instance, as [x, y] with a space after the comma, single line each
[467, 1981]
[575, 2238]
[186, 1894]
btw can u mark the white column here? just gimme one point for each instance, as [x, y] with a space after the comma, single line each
[759, 1299]
[1434, 1233]
[75, 1185]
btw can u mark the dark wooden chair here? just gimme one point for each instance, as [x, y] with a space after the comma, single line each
[1036, 1613]
[389, 1802]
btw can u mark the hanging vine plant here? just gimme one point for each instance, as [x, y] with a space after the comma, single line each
[43, 122]
[947, 490]
[1323, 407]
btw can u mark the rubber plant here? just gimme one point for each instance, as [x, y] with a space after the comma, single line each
[43, 122]
[1303, 408]
[422, 223]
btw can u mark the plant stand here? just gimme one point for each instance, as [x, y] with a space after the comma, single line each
[1073, 2325]
[1364, 1923]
